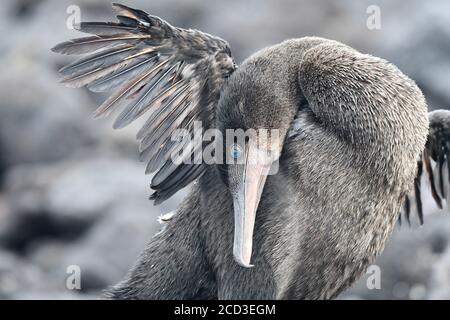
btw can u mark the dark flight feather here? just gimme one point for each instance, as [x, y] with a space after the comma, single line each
[435, 165]
[95, 60]
[94, 43]
[174, 75]
[104, 28]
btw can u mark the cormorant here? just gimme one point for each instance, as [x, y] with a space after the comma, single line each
[351, 127]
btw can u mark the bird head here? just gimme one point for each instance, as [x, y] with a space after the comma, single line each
[253, 121]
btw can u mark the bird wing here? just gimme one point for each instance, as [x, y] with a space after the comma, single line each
[434, 166]
[172, 74]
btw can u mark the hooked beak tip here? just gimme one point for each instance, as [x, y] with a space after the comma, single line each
[240, 261]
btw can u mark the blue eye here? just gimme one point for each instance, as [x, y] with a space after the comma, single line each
[235, 151]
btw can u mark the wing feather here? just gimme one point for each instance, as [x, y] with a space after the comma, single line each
[434, 165]
[172, 74]
[94, 43]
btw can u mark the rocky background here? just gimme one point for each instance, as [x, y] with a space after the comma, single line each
[71, 189]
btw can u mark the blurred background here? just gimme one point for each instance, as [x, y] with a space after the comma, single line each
[72, 191]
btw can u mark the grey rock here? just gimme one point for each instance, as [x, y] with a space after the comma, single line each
[106, 252]
[16, 275]
[39, 121]
[77, 189]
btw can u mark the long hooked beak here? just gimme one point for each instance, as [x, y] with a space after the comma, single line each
[246, 199]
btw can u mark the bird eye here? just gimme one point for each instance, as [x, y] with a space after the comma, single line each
[235, 151]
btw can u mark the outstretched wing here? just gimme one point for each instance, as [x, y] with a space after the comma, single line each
[434, 165]
[174, 75]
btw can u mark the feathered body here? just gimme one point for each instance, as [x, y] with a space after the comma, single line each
[328, 212]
